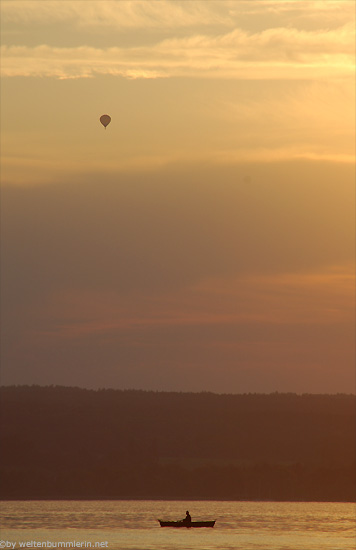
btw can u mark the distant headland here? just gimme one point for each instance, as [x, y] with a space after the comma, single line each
[71, 443]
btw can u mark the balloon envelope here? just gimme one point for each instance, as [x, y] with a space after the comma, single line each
[105, 120]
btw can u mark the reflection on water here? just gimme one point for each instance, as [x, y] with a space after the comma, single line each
[132, 525]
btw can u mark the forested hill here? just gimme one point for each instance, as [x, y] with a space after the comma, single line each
[60, 442]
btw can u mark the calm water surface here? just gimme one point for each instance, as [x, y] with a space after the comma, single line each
[132, 525]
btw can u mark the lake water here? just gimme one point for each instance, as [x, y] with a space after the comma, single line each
[132, 525]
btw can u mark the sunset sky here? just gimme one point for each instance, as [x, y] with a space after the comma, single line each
[205, 241]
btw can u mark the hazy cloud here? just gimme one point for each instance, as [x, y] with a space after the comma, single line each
[118, 13]
[215, 279]
[274, 53]
[174, 14]
[174, 227]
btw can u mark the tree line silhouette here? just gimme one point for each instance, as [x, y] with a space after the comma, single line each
[60, 442]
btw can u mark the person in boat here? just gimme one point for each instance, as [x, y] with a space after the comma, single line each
[188, 518]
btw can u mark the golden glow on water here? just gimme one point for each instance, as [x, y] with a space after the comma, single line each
[132, 525]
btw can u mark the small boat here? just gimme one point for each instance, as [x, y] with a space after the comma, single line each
[186, 524]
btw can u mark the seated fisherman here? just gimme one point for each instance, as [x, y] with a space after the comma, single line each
[187, 518]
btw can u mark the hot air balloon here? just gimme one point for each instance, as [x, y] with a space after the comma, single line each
[105, 120]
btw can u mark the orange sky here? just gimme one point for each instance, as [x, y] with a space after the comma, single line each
[206, 239]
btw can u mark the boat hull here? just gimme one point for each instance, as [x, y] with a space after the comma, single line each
[185, 524]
